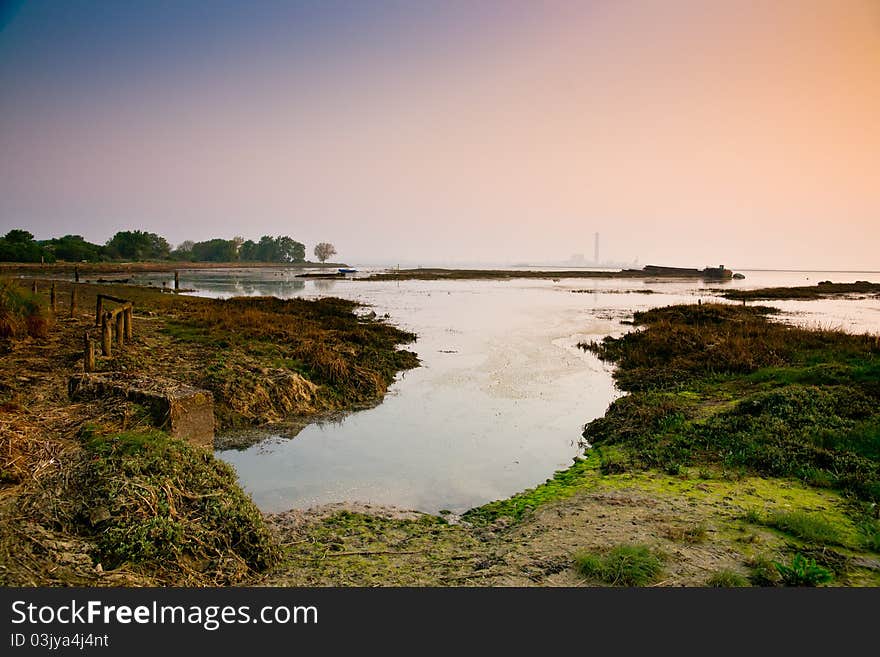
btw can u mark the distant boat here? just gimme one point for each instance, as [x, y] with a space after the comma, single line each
[346, 270]
[709, 272]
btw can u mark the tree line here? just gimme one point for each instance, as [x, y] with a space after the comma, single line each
[137, 245]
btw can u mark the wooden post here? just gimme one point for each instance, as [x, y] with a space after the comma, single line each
[73, 300]
[128, 328]
[106, 349]
[34, 287]
[88, 353]
[52, 299]
[99, 310]
[76, 274]
[120, 328]
[176, 280]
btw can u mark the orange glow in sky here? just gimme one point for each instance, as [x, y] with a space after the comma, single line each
[685, 132]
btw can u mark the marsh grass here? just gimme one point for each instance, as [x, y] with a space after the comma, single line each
[173, 510]
[682, 343]
[870, 532]
[727, 579]
[809, 527]
[764, 571]
[135, 508]
[802, 571]
[21, 314]
[352, 358]
[688, 534]
[611, 462]
[719, 384]
[623, 565]
[819, 291]
[753, 516]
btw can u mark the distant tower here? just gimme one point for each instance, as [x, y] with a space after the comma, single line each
[596, 250]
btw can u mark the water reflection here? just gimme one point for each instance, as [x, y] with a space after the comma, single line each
[503, 392]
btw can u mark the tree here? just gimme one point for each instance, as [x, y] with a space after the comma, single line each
[247, 252]
[19, 246]
[272, 249]
[74, 248]
[19, 236]
[183, 250]
[216, 250]
[324, 250]
[289, 250]
[138, 245]
[266, 249]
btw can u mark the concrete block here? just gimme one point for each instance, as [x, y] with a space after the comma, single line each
[182, 410]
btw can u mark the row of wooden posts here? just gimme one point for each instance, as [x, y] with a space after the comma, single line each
[120, 317]
[53, 298]
[73, 290]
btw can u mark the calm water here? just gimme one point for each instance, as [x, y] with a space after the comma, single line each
[501, 397]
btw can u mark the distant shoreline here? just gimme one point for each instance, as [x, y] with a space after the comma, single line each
[390, 273]
[7, 268]
[429, 274]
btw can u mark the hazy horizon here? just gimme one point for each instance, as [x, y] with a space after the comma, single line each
[686, 133]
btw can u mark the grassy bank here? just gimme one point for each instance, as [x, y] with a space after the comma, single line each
[266, 360]
[93, 494]
[725, 385]
[823, 290]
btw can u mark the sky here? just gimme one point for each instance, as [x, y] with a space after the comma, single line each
[685, 132]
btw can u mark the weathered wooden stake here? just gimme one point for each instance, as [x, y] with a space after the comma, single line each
[106, 349]
[88, 353]
[176, 280]
[120, 328]
[99, 310]
[73, 300]
[34, 287]
[76, 274]
[52, 300]
[128, 321]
